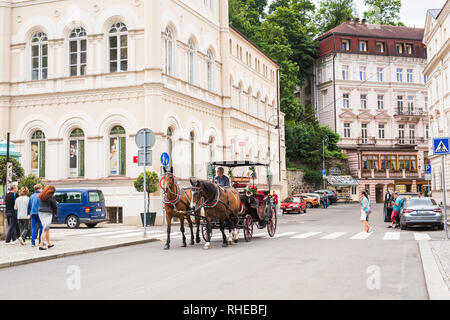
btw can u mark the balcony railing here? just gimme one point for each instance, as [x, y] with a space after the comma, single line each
[409, 141]
[367, 140]
[408, 112]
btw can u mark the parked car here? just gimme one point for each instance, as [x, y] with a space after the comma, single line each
[294, 204]
[77, 206]
[311, 201]
[421, 211]
[332, 196]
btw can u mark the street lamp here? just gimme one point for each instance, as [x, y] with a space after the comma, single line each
[324, 141]
[277, 126]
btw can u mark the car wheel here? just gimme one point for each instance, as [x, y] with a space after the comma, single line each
[308, 205]
[91, 225]
[73, 222]
[403, 226]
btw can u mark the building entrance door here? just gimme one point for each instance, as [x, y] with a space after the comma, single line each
[379, 194]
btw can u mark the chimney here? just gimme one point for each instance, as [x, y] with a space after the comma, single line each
[363, 21]
[356, 21]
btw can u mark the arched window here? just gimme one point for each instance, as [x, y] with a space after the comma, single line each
[192, 151]
[169, 145]
[210, 149]
[249, 100]
[76, 153]
[38, 154]
[39, 56]
[77, 52]
[168, 45]
[210, 71]
[191, 61]
[118, 47]
[117, 151]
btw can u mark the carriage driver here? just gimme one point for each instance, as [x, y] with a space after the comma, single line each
[221, 180]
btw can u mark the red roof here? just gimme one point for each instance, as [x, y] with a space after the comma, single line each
[375, 30]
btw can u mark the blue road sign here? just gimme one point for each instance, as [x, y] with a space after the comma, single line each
[324, 172]
[427, 168]
[165, 159]
[441, 146]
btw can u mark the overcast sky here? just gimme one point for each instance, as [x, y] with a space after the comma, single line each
[412, 12]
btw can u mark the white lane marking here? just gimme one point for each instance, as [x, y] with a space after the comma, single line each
[257, 235]
[391, 236]
[333, 235]
[133, 234]
[99, 234]
[421, 236]
[281, 235]
[361, 236]
[305, 235]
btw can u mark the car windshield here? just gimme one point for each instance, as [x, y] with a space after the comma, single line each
[420, 202]
[294, 200]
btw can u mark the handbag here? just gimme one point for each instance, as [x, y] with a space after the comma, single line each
[369, 211]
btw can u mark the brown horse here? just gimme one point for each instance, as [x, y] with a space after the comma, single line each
[177, 201]
[219, 204]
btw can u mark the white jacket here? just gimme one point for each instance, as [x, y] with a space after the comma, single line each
[21, 206]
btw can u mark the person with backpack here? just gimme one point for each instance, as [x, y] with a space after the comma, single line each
[365, 211]
[397, 207]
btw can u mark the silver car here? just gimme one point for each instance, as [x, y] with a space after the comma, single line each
[421, 211]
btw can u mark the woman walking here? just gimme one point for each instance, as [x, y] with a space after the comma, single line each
[365, 211]
[47, 208]
[23, 213]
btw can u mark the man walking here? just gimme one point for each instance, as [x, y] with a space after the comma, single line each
[325, 200]
[34, 212]
[10, 201]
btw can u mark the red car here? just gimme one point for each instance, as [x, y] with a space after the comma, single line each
[294, 205]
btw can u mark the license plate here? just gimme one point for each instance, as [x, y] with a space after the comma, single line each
[98, 209]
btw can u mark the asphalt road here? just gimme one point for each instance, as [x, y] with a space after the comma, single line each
[297, 264]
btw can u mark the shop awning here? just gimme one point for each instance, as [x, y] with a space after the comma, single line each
[342, 181]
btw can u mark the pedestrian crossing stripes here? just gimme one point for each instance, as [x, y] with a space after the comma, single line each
[217, 236]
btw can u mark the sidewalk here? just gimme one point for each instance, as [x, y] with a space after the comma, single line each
[441, 252]
[78, 241]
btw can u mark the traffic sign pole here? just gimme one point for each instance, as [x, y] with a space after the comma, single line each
[445, 196]
[145, 186]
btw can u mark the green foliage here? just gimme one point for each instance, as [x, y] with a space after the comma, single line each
[18, 171]
[152, 183]
[383, 12]
[30, 181]
[333, 12]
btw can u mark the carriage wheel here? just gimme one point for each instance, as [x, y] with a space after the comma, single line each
[272, 223]
[204, 233]
[248, 228]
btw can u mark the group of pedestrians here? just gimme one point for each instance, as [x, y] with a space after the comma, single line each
[39, 209]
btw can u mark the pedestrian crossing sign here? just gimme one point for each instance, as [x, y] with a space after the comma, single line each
[441, 146]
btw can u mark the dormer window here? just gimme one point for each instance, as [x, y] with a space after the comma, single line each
[345, 45]
[409, 49]
[399, 48]
[380, 47]
[363, 46]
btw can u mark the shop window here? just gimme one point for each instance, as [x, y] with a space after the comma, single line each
[117, 153]
[76, 153]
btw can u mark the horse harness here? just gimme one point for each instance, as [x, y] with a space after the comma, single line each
[177, 199]
[216, 201]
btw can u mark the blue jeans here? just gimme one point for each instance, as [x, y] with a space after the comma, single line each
[35, 222]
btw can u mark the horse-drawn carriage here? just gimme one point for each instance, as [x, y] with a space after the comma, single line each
[257, 207]
[240, 206]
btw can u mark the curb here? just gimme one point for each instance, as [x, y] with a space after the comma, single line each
[436, 287]
[74, 253]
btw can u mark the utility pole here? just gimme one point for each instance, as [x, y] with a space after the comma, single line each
[324, 140]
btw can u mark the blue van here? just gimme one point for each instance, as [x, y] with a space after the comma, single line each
[77, 206]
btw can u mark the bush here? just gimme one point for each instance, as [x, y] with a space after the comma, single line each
[152, 183]
[30, 181]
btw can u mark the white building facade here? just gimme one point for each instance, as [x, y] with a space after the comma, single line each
[78, 79]
[370, 89]
[437, 40]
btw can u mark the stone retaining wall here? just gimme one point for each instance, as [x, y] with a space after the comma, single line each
[297, 184]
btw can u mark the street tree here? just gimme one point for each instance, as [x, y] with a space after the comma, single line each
[383, 12]
[333, 12]
[18, 171]
[152, 182]
[30, 181]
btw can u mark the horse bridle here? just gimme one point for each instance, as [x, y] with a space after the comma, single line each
[177, 200]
